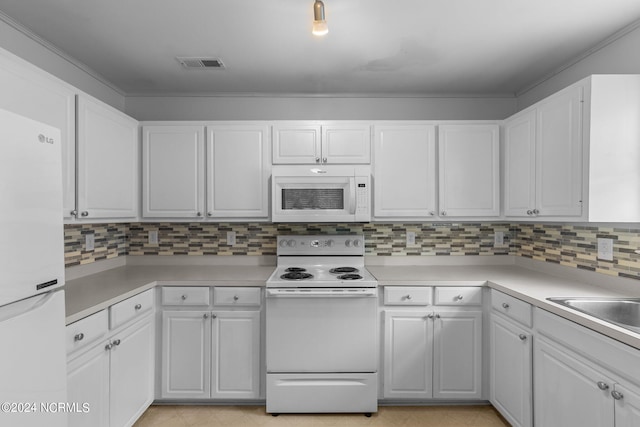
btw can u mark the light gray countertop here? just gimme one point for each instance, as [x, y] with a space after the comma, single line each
[94, 292]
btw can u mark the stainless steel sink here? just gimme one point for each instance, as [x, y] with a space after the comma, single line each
[624, 312]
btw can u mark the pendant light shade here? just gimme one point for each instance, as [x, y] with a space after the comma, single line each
[320, 27]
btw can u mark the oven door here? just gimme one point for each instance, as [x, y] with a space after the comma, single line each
[321, 330]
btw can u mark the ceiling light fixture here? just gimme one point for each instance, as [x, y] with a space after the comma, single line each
[320, 27]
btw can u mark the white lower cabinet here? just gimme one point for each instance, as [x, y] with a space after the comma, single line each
[582, 378]
[212, 353]
[431, 352]
[113, 376]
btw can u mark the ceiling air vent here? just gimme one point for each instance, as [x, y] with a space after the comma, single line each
[201, 63]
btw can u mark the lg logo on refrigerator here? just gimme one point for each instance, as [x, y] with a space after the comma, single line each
[45, 139]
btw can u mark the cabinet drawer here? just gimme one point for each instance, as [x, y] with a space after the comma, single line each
[407, 295]
[183, 295]
[85, 331]
[511, 307]
[458, 295]
[129, 309]
[236, 296]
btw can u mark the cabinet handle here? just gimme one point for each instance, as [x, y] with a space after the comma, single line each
[459, 297]
[184, 297]
[116, 342]
[79, 337]
[617, 395]
[602, 385]
[74, 213]
[407, 297]
[529, 212]
[108, 346]
[198, 213]
[432, 213]
[138, 306]
[522, 337]
[437, 316]
[84, 213]
[317, 159]
[536, 211]
[324, 160]
[505, 305]
[209, 213]
[443, 213]
[430, 315]
[214, 316]
[205, 316]
[236, 297]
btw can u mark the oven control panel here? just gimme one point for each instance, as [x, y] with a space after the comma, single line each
[336, 244]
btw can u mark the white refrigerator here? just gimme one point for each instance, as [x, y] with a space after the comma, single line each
[32, 314]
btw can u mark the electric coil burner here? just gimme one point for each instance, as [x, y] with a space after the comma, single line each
[321, 327]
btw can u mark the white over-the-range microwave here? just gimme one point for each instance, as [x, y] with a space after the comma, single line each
[321, 193]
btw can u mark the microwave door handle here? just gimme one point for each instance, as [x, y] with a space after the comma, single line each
[352, 196]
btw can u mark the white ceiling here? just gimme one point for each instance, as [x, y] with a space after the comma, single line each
[374, 47]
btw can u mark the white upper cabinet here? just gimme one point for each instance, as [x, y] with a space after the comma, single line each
[404, 171]
[107, 163]
[544, 158]
[469, 170]
[30, 92]
[173, 172]
[321, 142]
[238, 170]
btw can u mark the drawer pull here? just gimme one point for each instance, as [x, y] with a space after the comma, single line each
[205, 316]
[79, 337]
[459, 297]
[602, 385]
[214, 316]
[407, 297]
[617, 395]
[522, 337]
[108, 346]
[505, 305]
[138, 306]
[116, 342]
[437, 316]
[184, 297]
[236, 297]
[430, 315]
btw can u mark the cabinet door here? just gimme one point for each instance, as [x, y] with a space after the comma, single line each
[132, 370]
[235, 361]
[566, 392]
[295, 142]
[511, 371]
[186, 354]
[30, 92]
[469, 170]
[173, 172]
[107, 161]
[404, 171]
[520, 165]
[627, 406]
[88, 382]
[559, 154]
[457, 355]
[238, 171]
[408, 350]
[346, 144]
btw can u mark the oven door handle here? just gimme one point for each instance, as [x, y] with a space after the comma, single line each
[306, 293]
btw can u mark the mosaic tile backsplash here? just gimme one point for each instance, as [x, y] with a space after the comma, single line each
[569, 245]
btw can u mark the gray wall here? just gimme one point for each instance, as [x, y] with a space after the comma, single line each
[318, 108]
[619, 57]
[30, 50]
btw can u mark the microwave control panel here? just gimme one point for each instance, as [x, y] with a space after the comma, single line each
[362, 199]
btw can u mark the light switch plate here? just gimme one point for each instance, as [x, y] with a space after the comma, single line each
[153, 237]
[605, 249]
[498, 238]
[89, 242]
[411, 238]
[231, 238]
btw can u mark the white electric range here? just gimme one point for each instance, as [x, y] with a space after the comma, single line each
[321, 327]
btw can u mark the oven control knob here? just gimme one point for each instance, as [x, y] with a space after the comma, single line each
[357, 243]
[329, 243]
[283, 243]
[347, 243]
[291, 243]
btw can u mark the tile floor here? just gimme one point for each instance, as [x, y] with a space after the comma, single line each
[247, 416]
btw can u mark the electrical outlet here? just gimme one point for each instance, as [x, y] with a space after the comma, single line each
[411, 238]
[605, 249]
[89, 242]
[498, 238]
[153, 237]
[231, 238]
